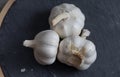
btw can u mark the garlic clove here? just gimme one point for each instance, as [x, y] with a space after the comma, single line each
[44, 60]
[83, 67]
[66, 19]
[45, 45]
[91, 59]
[89, 48]
[49, 37]
[47, 50]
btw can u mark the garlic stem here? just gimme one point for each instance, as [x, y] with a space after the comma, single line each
[85, 33]
[59, 18]
[29, 43]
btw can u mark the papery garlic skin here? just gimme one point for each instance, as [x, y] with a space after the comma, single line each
[66, 19]
[45, 45]
[77, 52]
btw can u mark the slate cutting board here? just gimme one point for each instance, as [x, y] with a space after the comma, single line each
[26, 18]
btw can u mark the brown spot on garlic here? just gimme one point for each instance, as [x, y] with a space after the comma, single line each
[78, 54]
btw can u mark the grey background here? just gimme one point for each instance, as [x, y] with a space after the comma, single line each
[28, 17]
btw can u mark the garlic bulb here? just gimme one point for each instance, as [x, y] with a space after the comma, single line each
[76, 51]
[45, 45]
[66, 19]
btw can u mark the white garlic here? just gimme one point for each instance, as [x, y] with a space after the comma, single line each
[66, 19]
[45, 45]
[76, 51]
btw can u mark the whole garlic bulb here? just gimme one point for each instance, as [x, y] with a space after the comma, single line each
[66, 19]
[45, 45]
[76, 51]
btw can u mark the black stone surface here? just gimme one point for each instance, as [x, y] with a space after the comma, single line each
[28, 17]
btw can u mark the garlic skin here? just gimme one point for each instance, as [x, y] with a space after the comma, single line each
[45, 45]
[67, 20]
[78, 52]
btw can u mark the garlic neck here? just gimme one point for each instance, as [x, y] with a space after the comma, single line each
[59, 18]
[29, 43]
[85, 33]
